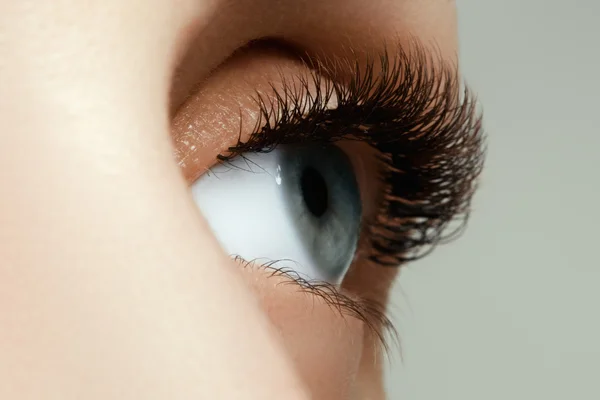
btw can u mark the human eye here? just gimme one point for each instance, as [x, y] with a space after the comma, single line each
[348, 167]
[302, 204]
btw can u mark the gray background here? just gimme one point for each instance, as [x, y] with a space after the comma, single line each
[511, 310]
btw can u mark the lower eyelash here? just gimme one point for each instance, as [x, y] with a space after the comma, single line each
[370, 312]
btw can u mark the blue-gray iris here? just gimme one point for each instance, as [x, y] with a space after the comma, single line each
[323, 199]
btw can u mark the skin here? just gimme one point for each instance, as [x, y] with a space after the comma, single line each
[111, 282]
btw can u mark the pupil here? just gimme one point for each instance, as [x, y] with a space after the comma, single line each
[314, 191]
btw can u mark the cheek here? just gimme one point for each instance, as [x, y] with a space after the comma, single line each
[326, 347]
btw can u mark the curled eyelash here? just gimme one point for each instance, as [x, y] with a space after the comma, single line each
[370, 312]
[414, 110]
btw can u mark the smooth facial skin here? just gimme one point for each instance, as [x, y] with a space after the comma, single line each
[112, 285]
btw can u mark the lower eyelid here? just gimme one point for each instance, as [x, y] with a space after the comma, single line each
[337, 300]
[310, 329]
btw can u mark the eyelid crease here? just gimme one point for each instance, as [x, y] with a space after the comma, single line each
[370, 312]
[416, 112]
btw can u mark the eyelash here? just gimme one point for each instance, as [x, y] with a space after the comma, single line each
[428, 135]
[370, 312]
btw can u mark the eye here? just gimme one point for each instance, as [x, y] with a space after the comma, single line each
[299, 205]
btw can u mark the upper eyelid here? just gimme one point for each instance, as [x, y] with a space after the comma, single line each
[310, 95]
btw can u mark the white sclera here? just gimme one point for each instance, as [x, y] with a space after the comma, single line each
[246, 208]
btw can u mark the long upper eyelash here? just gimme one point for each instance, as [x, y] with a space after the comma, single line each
[412, 110]
[371, 312]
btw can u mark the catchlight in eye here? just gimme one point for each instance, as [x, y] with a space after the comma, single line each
[299, 205]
